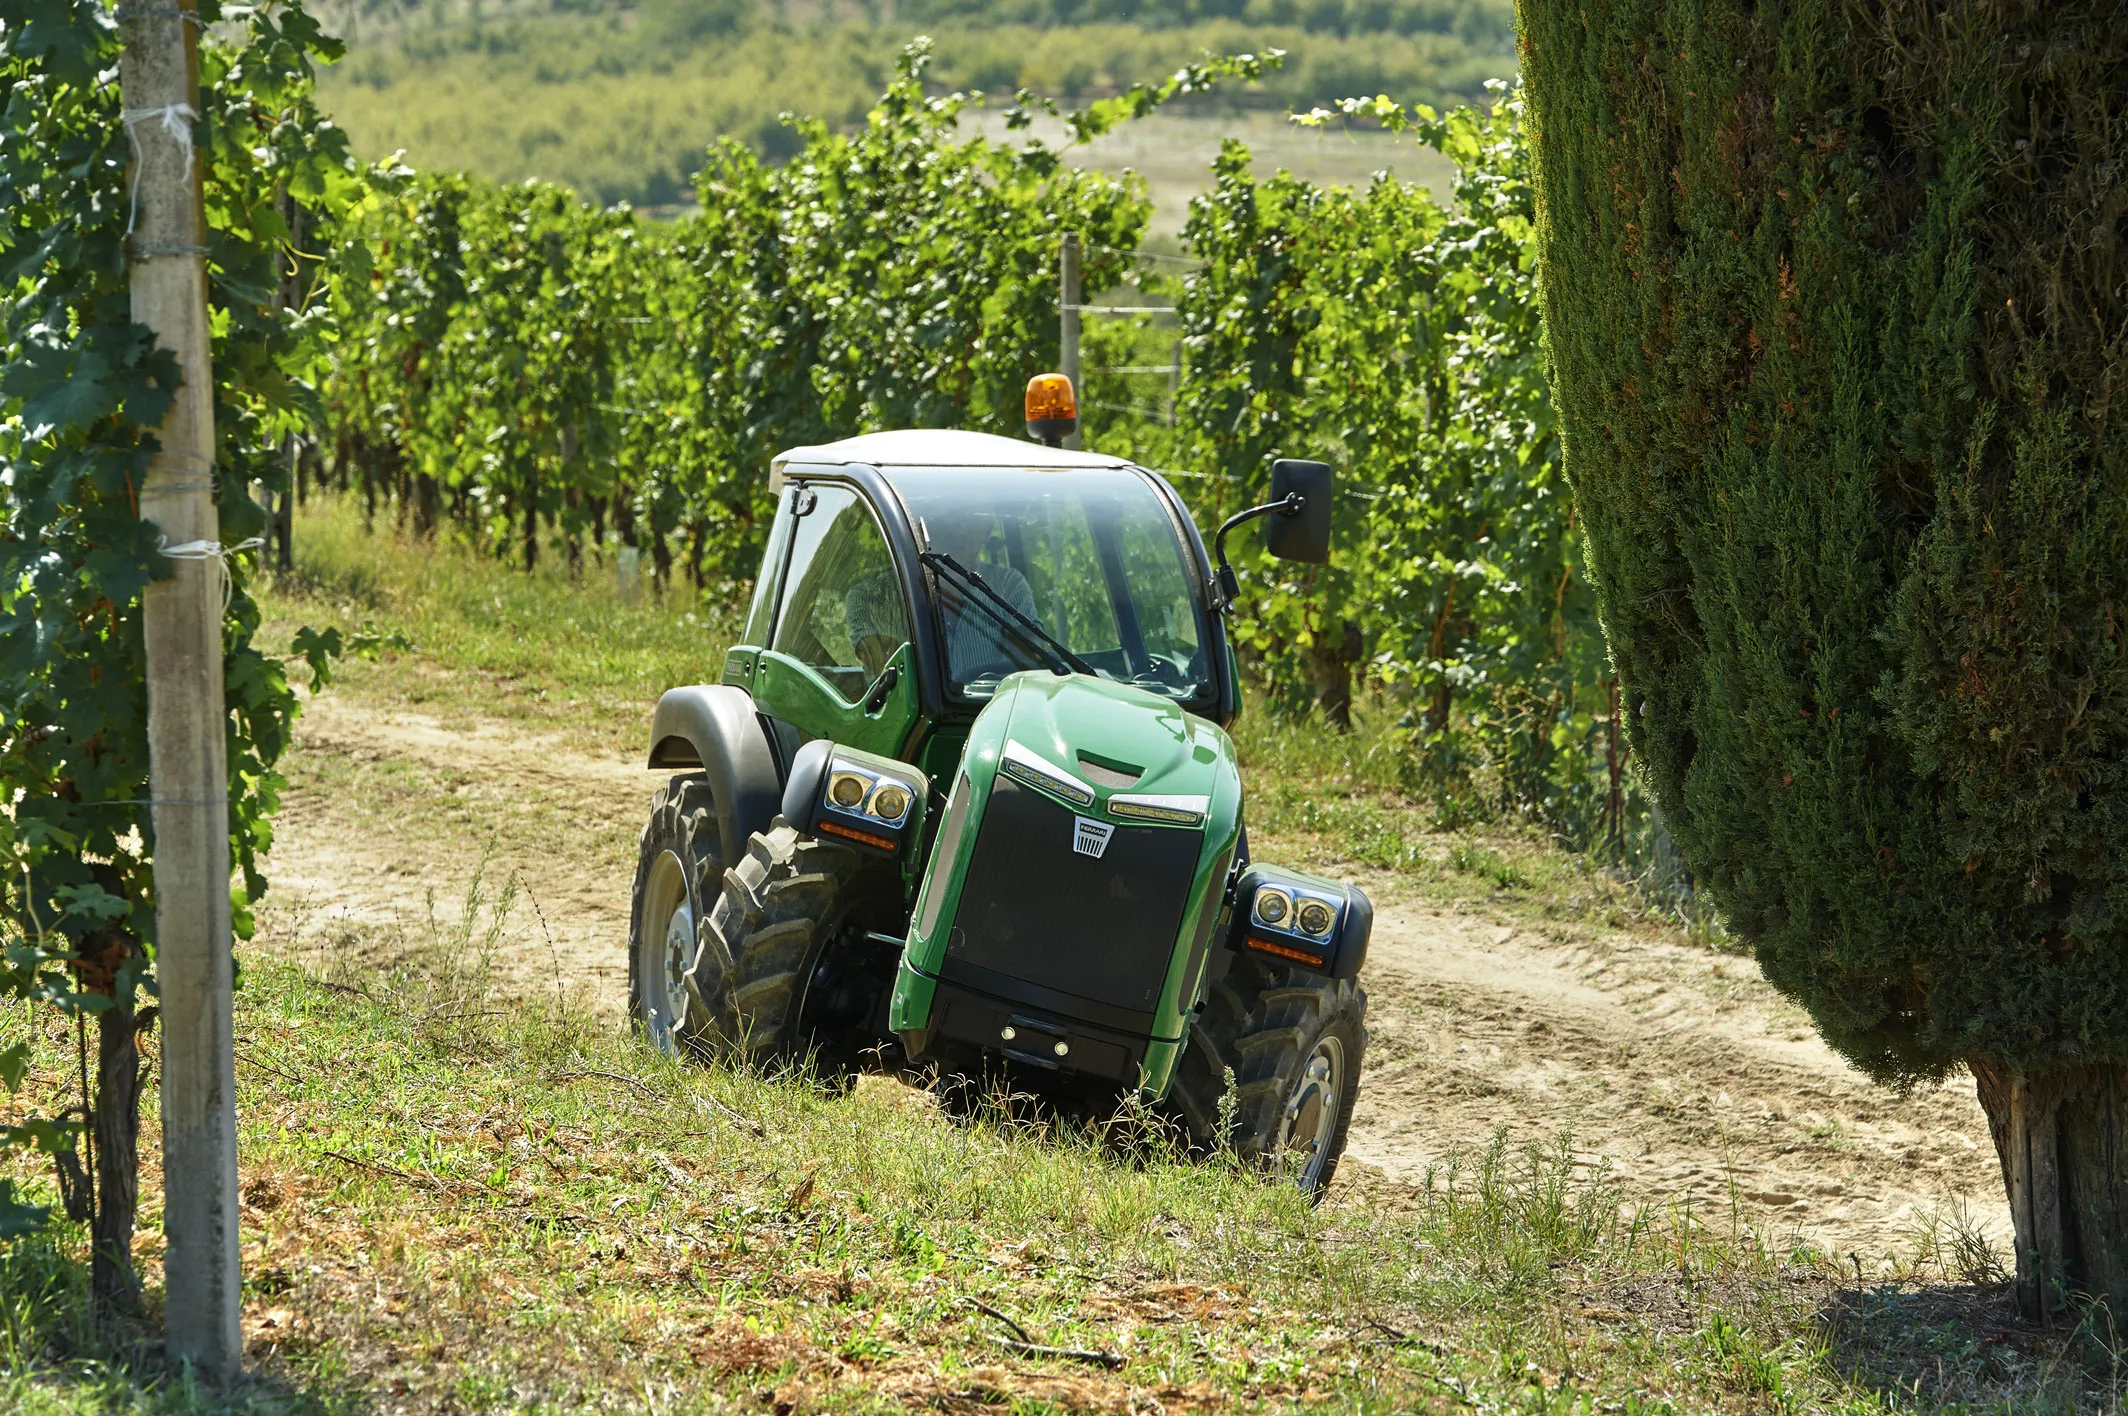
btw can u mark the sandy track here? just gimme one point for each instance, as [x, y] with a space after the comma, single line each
[1678, 1068]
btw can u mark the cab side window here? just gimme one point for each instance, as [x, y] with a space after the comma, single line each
[763, 612]
[842, 614]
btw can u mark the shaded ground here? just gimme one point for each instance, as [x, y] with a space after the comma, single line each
[1676, 1067]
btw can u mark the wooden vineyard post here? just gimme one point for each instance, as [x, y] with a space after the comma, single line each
[1068, 296]
[167, 273]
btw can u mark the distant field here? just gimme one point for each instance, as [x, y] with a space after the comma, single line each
[1174, 152]
[621, 103]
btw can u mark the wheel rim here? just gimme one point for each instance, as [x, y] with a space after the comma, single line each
[1309, 1128]
[666, 951]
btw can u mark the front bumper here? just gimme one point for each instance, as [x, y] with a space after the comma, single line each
[971, 1010]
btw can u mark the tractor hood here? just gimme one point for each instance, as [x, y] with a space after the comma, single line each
[1113, 738]
[1070, 905]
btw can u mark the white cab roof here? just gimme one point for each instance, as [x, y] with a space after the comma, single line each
[938, 447]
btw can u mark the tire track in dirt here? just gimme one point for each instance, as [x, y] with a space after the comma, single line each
[1677, 1068]
[1682, 1069]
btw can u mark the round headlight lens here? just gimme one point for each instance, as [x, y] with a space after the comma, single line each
[847, 790]
[891, 802]
[1314, 917]
[1272, 906]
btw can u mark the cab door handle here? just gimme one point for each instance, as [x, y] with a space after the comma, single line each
[882, 687]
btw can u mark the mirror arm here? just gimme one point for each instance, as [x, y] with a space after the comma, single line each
[1226, 586]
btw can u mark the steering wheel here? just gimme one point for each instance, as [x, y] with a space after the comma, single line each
[1163, 671]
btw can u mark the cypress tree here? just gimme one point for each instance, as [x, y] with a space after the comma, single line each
[1834, 293]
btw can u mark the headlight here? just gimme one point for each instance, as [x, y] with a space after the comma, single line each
[874, 803]
[1167, 810]
[890, 802]
[1315, 917]
[1272, 906]
[1032, 770]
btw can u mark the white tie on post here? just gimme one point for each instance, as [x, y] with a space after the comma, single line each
[176, 120]
[214, 551]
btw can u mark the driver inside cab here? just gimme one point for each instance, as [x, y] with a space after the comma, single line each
[977, 645]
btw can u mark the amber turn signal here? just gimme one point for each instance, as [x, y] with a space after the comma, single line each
[1052, 408]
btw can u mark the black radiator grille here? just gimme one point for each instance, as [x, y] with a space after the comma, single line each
[1036, 910]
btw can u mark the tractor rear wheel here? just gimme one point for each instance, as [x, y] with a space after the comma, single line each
[782, 907]
[1293, 1042]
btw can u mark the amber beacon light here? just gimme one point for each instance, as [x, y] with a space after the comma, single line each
[1052, 409]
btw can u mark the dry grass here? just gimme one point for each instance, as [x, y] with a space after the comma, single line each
[454, 1202]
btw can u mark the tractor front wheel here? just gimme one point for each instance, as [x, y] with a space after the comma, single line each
[1273, 1070]
[781, 910]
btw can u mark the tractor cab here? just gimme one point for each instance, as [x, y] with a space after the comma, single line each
[964, 800]
[909, 574]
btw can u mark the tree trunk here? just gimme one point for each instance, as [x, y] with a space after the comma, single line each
[118, 1075]
[531, 534]
[2060, 1137]
[1437, 650]
[572, 532]
[1330, 661]
[284, 510]
[660, 563]
[427, 502]
[368, 461]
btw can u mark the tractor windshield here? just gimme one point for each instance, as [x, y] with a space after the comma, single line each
[1091, 555]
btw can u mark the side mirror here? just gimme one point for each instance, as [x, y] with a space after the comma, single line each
[1302, 535]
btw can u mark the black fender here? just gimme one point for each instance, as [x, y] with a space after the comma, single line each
[716, 728]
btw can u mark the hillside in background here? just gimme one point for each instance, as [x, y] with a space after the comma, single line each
[620, 101]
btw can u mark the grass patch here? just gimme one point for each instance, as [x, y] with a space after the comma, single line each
[454, 1201]
[570, 655]
[1345, 800]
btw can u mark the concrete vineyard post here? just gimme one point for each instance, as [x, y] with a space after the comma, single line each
[187, 719]
[1068, 319]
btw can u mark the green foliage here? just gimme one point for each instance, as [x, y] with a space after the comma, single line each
[521, 356]
[519, 360]
[1399, 339]
[82, 387]
[1837, 329]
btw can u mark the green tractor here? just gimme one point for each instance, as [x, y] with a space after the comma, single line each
[963, 804]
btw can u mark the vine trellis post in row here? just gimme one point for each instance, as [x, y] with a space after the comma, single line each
[187, 715]
[1068, 296]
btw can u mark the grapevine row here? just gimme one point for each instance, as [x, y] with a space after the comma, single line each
[527, 366]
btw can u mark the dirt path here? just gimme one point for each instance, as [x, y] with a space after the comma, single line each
[1680, 1068]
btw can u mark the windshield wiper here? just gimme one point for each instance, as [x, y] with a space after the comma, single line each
[1062, 660]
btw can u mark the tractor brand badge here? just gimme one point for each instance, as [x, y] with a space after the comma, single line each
[1090, 838]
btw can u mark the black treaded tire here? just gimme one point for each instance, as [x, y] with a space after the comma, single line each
[675, 880]
[1268, 1024]
[780, 905]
